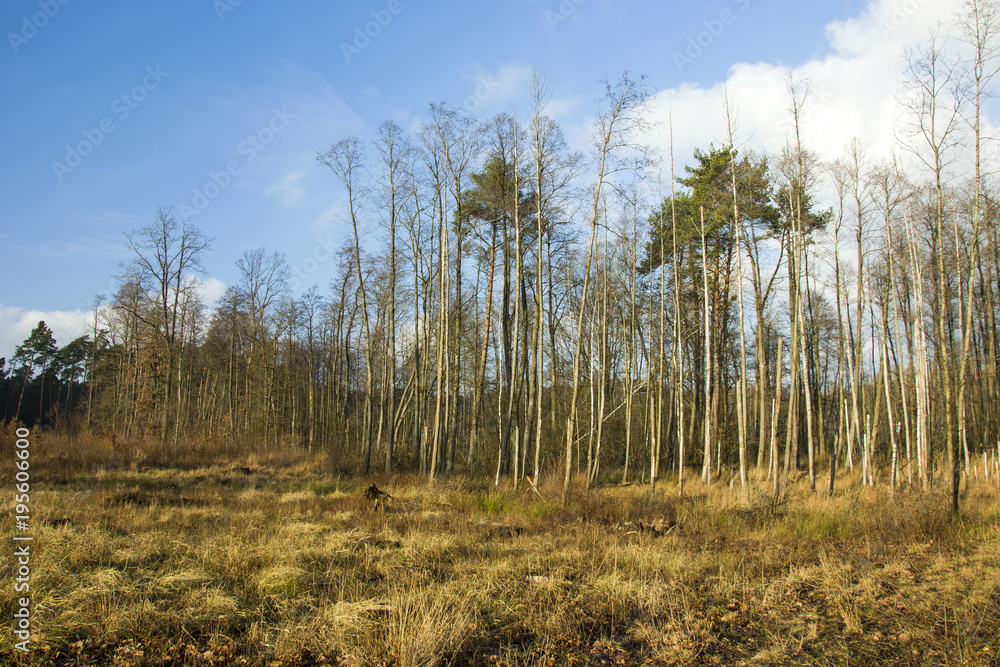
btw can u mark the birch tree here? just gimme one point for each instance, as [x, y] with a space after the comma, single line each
[614, 141]
[346, 159]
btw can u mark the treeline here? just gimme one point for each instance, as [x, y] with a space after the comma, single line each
[43, 383]
[508, 308]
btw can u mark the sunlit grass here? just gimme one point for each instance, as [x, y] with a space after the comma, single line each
[270, 564]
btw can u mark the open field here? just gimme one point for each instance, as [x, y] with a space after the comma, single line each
[268, 562]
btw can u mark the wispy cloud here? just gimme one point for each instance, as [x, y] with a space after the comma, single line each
[289, 188]
[75, 249]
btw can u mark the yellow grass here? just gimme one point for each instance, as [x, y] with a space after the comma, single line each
[277, 562]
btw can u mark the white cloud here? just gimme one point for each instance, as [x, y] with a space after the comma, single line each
[212, 290]
[854, 90]
[887, 25]
[16, 325]
[562, 107]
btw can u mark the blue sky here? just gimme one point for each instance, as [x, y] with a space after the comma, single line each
[114, 109]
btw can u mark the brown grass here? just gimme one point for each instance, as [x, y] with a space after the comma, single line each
[271, 560]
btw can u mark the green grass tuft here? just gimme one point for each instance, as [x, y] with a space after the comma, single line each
[542, 510]
[493, 502]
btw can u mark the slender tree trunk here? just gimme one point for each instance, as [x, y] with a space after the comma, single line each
[741, 391]
[706, 468]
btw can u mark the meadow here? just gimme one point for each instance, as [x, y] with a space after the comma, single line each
[184, 556]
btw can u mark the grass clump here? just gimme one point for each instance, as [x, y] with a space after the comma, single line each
[493, 502]
[542, 510]
[811, 526]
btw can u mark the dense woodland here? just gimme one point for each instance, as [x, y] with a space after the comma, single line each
[507, 308]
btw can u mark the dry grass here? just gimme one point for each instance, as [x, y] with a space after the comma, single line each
[270, 562]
